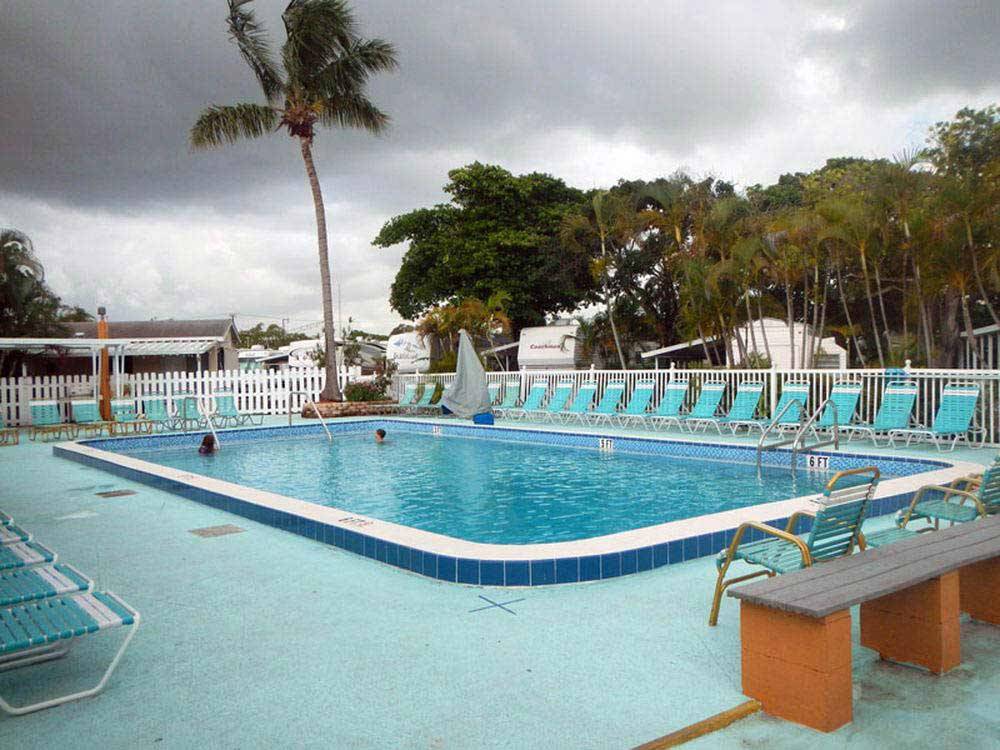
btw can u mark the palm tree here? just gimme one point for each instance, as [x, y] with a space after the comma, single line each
[324, 69]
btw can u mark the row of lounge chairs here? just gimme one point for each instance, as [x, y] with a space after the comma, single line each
[837, 525]
[46, 607]
[84, 416]
[569, 403]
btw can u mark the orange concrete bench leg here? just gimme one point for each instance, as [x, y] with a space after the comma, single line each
[918, 625]
[979, 586]
[798, 667]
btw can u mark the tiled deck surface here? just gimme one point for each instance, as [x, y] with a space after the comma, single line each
[265, 639]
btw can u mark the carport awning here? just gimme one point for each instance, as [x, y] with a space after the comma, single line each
[80, 347]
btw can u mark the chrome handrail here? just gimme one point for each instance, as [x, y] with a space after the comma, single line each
[308, 402]
[203, 405]
[767, 430]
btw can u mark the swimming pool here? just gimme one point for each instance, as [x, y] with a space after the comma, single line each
[494, 505]
[495, 492]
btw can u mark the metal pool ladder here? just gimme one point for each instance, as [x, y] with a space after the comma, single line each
[308, 402]
[209, 418]
[797, 441]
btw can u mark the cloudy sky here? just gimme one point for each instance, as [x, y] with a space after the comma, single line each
[97, 96]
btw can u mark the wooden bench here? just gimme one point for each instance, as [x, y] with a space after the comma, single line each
[796, 628]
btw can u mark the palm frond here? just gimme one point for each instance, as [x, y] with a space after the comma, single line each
[352, 69]
[250, 38]
[220, 125]
[352, 110]
[318, 31]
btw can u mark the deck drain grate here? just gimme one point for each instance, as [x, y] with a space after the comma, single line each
[210, 531]
[115, 493]
[496, 605]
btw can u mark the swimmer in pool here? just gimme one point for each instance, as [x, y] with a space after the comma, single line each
[207, 445]
[380, 436]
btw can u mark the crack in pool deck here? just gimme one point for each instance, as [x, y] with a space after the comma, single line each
[494, 605]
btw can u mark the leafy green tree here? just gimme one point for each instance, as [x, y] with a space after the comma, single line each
[499, 233]
[324, 69]
[272, 337]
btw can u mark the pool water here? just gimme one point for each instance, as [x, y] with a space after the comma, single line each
[493, 491]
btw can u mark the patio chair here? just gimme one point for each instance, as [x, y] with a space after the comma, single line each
[898, 399]
[835, 532]
[532, 402]
[493, 391]
[608, 407]
[8, 435]
[47, 421]
[963, 500]
[787, 414]
[156, 411]
[706, 405]
[669, 409]
[581, 404]
[44, 582]
[557, 402]
[226, 411]
[638, 404]
[126, 419]
[840, 405]
[25, 555]
[86, 415]
[424, 400]
[953, 419]
[408, 395]
[742, 410]
[511, 395]
[11, 533]
[39, 631]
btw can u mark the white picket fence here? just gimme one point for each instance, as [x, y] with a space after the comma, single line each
[930, 381]
[259, 392]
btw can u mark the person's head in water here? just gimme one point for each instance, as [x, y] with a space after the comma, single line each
[379, 435]
[207, 444]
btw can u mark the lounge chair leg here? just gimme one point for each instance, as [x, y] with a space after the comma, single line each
[21, 710]
[33, 656]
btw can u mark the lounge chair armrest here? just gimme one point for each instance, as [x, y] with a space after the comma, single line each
[794, 519]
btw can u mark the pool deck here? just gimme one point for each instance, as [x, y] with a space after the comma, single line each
[264, 639]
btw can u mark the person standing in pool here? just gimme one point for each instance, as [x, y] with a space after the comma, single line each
[380, 436]
[208, 445]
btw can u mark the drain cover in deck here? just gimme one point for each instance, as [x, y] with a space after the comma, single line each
[209, 531]
[115, 493]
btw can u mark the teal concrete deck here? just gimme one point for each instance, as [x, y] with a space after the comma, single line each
[266, 639]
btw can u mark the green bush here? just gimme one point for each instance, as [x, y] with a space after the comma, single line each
[375, 390]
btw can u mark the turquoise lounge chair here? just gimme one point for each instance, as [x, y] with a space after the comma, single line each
[43, 630]
[511, 395]
[25, 555]
[493, 389]
[226, 411]
[668, 411]
[706, 405]
[47, 421]
[426, 396]
[557, 402]
[607, 408]
[126, 418]
[34, 584]
[638, 404]
[8, 435]
[156, 411]
[187, 412]
[87, 417]
[407, 396]
[840, 405]
[966, 499]
[581, 404]
[898, 399]
[953, 419]
[836, 530]
[532, 402]
[743, 408]
[788, 413]
[11, 533]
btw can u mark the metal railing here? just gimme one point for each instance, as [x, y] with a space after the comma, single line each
[309, 402]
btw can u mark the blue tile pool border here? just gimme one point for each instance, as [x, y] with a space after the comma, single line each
[546, 570]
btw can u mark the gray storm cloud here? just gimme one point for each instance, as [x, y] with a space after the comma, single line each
[98, 96]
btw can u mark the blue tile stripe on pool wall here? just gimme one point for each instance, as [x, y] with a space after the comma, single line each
[471, 571]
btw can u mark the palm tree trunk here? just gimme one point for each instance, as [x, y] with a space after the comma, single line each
[818, 332]
[704, 346]
[331, 391]
[790, 314]
[805, 315]
[978, 274]
[924, 320]
[753, 334]
[871, 309]
[763, 331]
[607, 305]
[881, 304]
[847, 315]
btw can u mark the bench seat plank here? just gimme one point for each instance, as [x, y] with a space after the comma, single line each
[820, 590]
